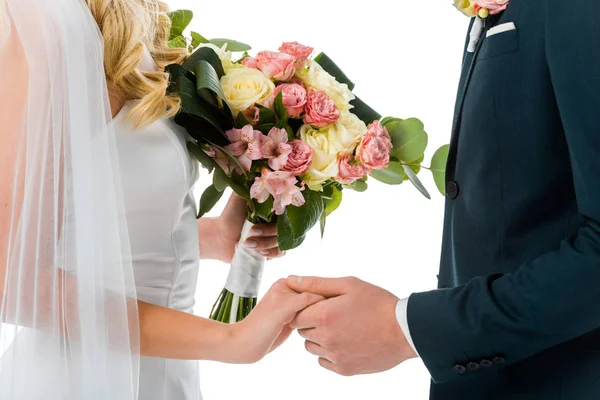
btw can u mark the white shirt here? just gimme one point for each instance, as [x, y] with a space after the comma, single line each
[401, 316]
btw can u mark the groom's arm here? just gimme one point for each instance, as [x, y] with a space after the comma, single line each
[555, 298]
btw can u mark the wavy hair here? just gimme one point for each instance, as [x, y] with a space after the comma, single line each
[128, 27]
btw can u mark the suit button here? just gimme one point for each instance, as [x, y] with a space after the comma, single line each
[473, 366]
[498, 360]
[459, 369]
[452, 190]
[486, 363]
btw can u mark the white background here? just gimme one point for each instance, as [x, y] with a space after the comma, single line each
[404, 57]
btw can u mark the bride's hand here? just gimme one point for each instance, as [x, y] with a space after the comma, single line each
[263, 236]
[267, 326]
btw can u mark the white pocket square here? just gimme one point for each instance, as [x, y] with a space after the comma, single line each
[509, 26]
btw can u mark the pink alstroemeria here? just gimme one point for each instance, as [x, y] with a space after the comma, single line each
[276, 148]
[246, 145]
[222, 160]
[279, 184]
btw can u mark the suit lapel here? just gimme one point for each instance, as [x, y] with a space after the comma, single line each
[469, 61]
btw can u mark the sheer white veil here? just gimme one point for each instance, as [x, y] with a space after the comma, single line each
[69, 324]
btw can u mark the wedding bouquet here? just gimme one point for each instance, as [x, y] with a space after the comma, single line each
[285, 131]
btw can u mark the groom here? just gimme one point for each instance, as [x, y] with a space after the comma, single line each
[517, 312]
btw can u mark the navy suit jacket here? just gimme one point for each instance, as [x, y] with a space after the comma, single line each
[517, 312]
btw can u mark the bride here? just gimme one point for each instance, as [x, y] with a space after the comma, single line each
[99, 243]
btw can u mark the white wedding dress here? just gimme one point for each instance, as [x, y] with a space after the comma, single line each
[158, 178]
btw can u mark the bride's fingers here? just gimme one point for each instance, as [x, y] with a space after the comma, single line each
[260, 243]
[264, 230]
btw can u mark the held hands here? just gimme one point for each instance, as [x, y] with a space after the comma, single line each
[229, 227]
[355, 330]
[267, 327]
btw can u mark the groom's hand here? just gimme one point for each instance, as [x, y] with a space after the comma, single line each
[354, 331]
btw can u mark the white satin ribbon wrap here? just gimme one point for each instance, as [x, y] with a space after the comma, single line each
[475, 36]
[247, 267]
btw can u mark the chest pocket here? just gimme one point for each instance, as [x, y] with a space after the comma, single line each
[499, 44]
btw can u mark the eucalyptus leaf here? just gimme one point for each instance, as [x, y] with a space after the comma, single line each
[180, 19]
[334, 203]
[415, 165]
[232, 45]
[387, 120]
[201, 156]
[209, 199]
[416, 181]
[409, 139]
[392, 175]
[330, 67]
[178, 42]
[198, 39]
[360, 186]
[438, 168]
[323, 222]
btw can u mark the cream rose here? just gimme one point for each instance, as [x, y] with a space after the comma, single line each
[466, 7]
[324, 164]
[244, 87]
[315, 77]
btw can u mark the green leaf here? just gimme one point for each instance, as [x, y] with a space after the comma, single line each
[438, 168]
[201, 156]
[204, 54]
[363, 111]
[387, 120]
[241, 121]
[209, 199]
[232, 45]
[328, 65]
[359, 186]
[265, 128]
[198, 39]
[323, 222]
[409, 139]
[178, 42]
[334, 203]
[220, 180]
[415, 165]
[180, 19]
[265, 210]
[207, 78]
[416, 181]
[392, 175]
[295, 223]
[266, 115]
[280, 110]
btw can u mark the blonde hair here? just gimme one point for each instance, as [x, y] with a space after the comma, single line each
[128, 27]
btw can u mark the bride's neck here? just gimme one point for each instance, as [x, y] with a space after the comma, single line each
[117, 100]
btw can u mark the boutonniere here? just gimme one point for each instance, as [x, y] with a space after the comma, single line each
[481, 8]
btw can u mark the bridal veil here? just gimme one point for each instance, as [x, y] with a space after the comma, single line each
[67, 296]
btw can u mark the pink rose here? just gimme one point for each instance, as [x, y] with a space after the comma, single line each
[300, 52]
[494, 6]
[279, 66]
[276, 148]
[279, 184]
[246, 145]
[320, 109]
[299, 159]
[350, 170]
[293, 96]
[375, 147]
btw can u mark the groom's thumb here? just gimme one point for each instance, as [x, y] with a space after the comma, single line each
[326, 287]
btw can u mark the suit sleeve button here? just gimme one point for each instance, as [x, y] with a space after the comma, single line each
[459, 369]
[473, 366]
[452, 190]
[486, 363]
[498, 360]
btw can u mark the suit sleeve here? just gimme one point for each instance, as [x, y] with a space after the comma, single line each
[555, 298]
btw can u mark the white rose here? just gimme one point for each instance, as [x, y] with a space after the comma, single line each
[355, 129]
[315, 77]
[244, 87]
[324, 164]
